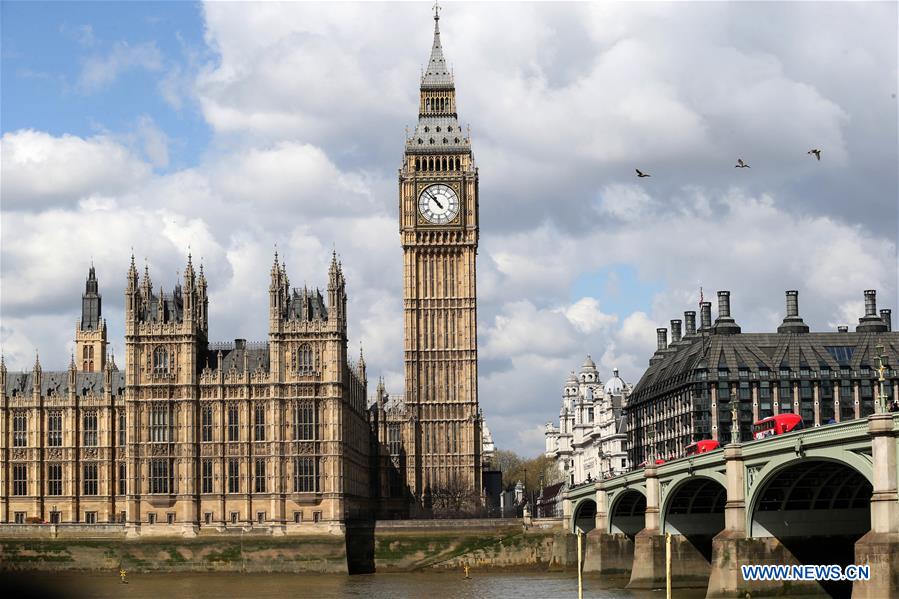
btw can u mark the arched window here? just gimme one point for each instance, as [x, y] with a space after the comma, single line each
[84, 351]
[305, 362]
[161, 360]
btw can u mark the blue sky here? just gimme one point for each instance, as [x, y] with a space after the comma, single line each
[133, 47]
[229, 127]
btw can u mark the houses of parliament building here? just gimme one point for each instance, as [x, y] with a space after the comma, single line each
[192, 434]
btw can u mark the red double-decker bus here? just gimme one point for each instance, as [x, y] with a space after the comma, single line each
[776, 425]
[703, 446]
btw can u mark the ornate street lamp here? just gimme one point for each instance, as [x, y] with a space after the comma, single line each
[881, 367]
[734, 424]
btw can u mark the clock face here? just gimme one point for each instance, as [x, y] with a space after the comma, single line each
[439, 204]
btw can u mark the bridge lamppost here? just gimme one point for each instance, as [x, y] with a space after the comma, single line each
[651, 453]
[881, 367]
[734, 422]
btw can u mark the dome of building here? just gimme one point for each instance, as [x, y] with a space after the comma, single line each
[614, 385]
[588, 364]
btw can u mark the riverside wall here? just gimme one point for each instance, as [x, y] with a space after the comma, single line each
[385, 546]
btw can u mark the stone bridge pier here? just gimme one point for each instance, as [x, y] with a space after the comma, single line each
[880, 546]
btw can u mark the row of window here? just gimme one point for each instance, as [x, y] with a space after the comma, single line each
[91, 517]
[305, 477]
[304, 425]
[54, 429]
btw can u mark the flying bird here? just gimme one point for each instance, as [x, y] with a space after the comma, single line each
[816, 153]
[741, 164]
[641, 173]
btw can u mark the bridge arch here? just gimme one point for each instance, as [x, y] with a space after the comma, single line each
[627, 512]
[816, 507]
[584, 515]
[693, 507]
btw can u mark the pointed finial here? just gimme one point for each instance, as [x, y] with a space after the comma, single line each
[437, 10]
[72, 362]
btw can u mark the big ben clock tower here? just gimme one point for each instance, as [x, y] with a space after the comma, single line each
[438, 209]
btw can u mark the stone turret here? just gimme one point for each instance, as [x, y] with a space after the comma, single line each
[90, 332]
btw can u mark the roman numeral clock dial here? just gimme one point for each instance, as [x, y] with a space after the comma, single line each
[438, 204]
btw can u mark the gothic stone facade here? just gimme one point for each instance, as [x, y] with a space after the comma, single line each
[193, 434]
[692, 386]
[439, 421]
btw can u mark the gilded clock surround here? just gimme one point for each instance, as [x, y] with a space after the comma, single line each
[456, 187]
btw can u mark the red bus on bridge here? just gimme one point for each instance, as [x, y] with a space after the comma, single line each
[703, 446]
[776, 425]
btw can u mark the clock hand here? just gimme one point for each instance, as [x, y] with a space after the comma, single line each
[433, 197]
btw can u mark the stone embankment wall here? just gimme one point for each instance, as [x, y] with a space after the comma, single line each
[394, 546]
[482, 544]
[306, 554]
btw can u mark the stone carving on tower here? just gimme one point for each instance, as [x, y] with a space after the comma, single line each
[438, 213]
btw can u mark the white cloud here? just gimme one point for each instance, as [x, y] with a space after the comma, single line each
[586, 316]
[40, 170]
[154, 141]
[100, 70]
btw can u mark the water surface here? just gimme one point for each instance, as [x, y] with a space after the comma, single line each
[428, 585]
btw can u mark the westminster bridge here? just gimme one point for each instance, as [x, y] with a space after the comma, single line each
[826, 495]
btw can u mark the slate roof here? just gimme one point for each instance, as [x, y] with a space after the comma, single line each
[306, 305]
[234, 355]
[754, 352]
[21, 383]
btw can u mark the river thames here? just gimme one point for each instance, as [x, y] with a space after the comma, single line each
[443, 585]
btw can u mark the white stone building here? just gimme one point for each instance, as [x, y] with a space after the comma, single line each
[590, 441]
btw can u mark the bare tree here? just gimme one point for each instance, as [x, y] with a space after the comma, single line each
[455, 499]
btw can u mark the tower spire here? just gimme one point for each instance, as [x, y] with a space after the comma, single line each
[437, 74]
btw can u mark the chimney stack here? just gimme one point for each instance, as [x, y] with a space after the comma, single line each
[842, 329]
[705, 316]
[662, 339]
[871, 302]
[792, 303]
[792, 321]
[675, 331]
[690, 323]
[724, 304]
[724, 324]
[871, 322]
[886, 315]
